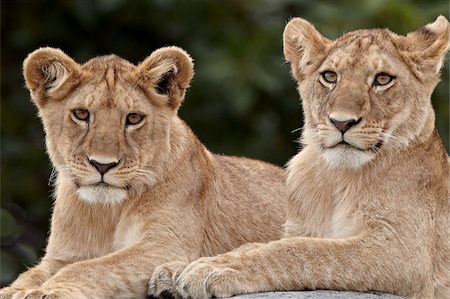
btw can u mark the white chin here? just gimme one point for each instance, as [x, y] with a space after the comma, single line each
[346, 157]
[102, 194]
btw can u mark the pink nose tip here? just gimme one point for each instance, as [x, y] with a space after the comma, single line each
[344, 126]
[102, 168]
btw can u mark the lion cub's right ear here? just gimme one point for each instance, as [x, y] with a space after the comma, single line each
[302, 45]
[168, 72]
[50, 75]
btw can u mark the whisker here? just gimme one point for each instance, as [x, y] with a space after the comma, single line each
[296, 130]
[52, 178]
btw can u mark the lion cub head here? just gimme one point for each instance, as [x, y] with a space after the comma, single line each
[367, 92]
[107, 121]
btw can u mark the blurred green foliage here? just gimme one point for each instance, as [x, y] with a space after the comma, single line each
[243, 100]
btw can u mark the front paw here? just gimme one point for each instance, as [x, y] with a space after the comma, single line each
[63, 291]
[213, 276]
[11, 292]
[16, 293]
[162, 281]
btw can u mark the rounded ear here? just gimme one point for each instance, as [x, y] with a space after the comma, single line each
[302, 44]
[50, 75]
[426, 47]
[167, 71]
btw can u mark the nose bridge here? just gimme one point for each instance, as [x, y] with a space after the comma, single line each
[105, 144]
[350, 99]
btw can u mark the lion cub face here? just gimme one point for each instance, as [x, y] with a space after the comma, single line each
[366, 92]
[107, 121]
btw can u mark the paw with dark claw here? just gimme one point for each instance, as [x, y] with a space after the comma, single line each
[161, 284]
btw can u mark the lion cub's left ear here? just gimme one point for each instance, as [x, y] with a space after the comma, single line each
[426, 47]
[50, 75]
[167, 71]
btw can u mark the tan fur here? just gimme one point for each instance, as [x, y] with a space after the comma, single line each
[169, 199]
[369, 215]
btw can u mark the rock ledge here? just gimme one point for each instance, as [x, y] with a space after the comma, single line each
[318, 295]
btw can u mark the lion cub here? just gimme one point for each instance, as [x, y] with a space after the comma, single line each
[369, 205]
[135, 187]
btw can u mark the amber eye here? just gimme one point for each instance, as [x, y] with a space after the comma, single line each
[383, 79]
[81, 114]
[134, 118]
[329, 77]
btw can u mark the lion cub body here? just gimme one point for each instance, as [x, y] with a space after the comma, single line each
[369, 201]
[163, 197]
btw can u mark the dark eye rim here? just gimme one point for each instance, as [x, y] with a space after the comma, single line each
[322, 74]
[391, 78]
[85, 119]
[128, 123]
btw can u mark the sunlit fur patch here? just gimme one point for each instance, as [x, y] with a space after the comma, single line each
[102, 194]
[346, 157]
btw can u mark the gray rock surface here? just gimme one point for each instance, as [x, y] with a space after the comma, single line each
[318, 295]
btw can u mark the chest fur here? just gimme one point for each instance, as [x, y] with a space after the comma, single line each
[345, 220]
[322, 206]
[129, 231]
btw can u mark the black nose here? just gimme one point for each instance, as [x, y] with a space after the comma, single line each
[103, 168]
[343, 126]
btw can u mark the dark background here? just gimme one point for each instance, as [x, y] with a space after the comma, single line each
[242, 101]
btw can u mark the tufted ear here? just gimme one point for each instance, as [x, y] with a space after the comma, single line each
[426, 47]
[168, 71]
[302, 43]
[50, 75]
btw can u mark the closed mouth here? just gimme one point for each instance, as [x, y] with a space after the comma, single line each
[343, 143]
[102, 184]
